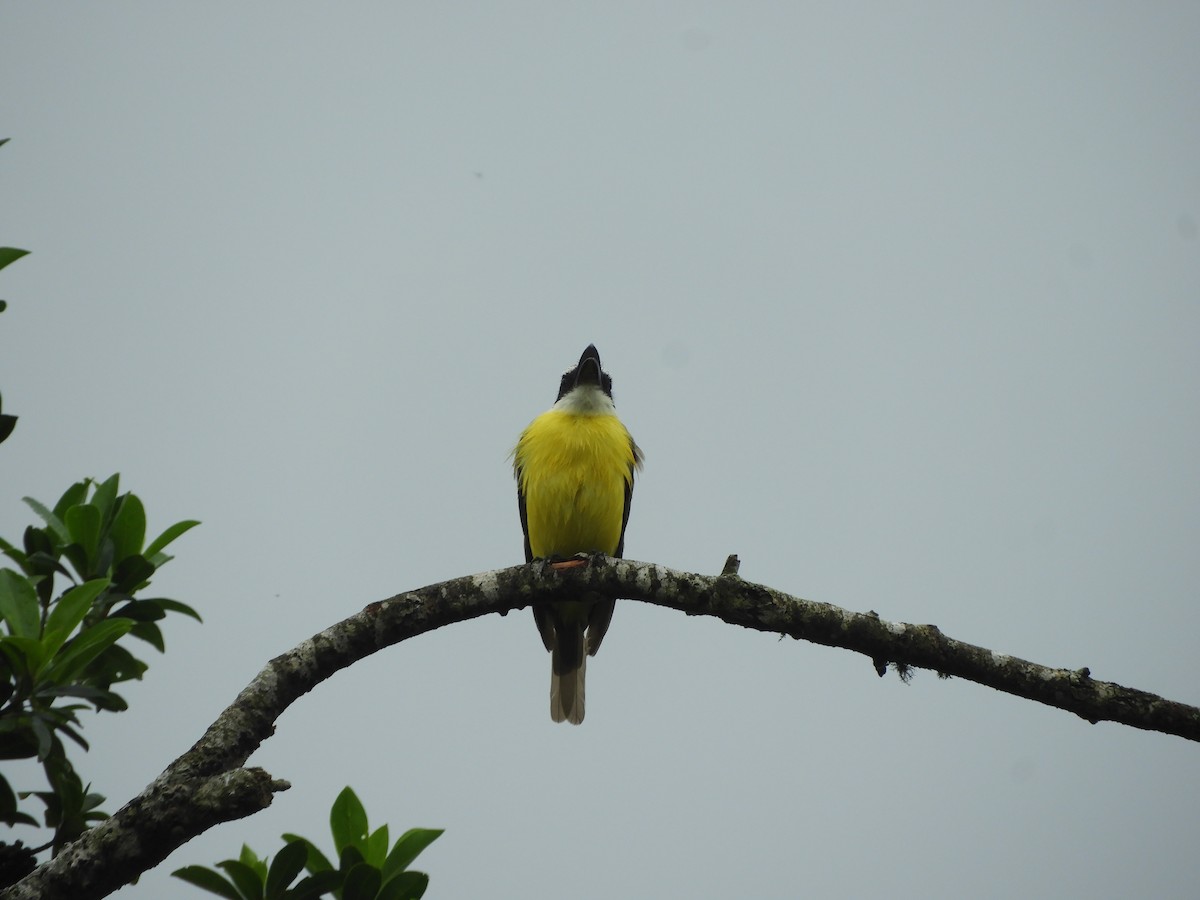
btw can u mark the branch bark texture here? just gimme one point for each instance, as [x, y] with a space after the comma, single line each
[209, 784]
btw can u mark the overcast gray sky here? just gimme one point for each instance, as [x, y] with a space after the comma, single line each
[901, 301]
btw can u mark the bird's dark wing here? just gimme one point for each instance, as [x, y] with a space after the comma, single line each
[525, 517]
[625, 515]
[541, 612]
[601, 614]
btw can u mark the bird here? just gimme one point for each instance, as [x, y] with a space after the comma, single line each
[574, 466]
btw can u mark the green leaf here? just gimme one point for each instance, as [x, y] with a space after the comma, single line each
[158, 560]
[72, 496]
[249, 858]
[19, 605]
[47, 565]
[98, 697]
[351, 857]
[377, 846]
[169, 535]
[12, 552]
[362, 883]
[45, 740]
[408, 848]
[317, 861]
[131, 573]
[116, 664]
[25, 655]
[17, 740]
[10, 815]
[92, 800]
[151, 634]
[249, 885]
[141, 611]
[52, 520]
[10, 255]
[68, 612]
[37, 540]
[83, 524]
[287, 864]
[316, 885]
[209, 880]
[105, 498]
[77, 556]
[7, 422]
[405, 886]
[73, 735]
[348, 822]
[176, 606]
[102, 564]
[84, 648]
[16, 556]
[128, 531]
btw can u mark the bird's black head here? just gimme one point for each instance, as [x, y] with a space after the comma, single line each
[586, 371]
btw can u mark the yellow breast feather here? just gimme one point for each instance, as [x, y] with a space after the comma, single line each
[573, 471]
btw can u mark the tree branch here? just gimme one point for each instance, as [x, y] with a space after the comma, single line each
[209, 785]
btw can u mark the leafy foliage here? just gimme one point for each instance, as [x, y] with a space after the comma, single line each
[367, 869]
[8, 255]
[7, 423]
[61, 652]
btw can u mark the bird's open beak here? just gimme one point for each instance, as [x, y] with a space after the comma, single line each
[588, 371]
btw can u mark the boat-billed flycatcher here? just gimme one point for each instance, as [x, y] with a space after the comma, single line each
[574, 466]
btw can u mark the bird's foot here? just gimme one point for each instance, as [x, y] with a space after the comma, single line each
[578, 561]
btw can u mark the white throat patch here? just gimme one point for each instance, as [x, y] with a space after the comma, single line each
[586, 400]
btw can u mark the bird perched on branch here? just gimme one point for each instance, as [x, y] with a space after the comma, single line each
[574, 466]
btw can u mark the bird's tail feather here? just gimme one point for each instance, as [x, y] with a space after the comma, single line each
[568, 662]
